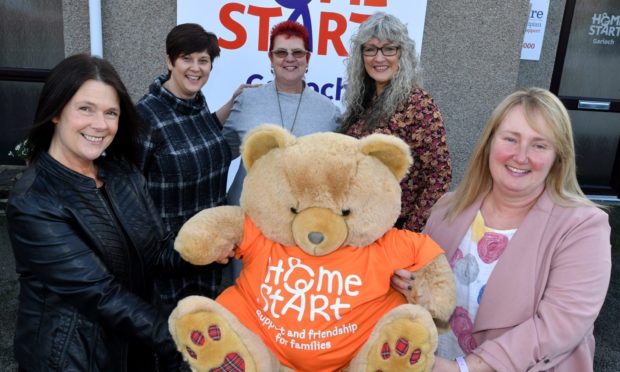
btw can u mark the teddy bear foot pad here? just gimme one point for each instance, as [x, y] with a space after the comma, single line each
[404, 340]
[210, 339]
[212, 346]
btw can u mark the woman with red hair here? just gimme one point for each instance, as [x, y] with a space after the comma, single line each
[287, 100]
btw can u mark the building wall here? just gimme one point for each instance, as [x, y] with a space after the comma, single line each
[538, 73]
[470, 54]
[134, 37]
[470, 60]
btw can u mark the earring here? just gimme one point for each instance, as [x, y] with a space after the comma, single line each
[271, 71]
[306, 71]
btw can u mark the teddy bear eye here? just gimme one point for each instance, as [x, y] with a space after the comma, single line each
[294, 210]
[346, 212]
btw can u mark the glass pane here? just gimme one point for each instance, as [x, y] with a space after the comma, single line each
[593, 51]
[31, 33]
[18, 101]
[596, 143]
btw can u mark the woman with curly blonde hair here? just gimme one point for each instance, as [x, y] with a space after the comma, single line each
[384, 96]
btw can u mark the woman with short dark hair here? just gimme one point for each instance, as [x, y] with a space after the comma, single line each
[184, 156]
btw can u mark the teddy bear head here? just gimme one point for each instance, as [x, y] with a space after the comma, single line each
[322, 191]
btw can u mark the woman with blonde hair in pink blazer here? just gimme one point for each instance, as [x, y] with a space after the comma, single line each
[530, 253]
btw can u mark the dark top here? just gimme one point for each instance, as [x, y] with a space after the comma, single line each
[85, 258]
[419, 123]
[185, 160]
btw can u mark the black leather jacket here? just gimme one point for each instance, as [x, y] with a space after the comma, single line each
[85, 259]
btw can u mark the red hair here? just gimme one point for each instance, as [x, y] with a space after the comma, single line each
[289, 29]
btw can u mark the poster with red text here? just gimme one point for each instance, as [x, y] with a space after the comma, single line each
[243, 26]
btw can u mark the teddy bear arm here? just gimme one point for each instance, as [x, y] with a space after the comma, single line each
[435, 290]
[210, 235]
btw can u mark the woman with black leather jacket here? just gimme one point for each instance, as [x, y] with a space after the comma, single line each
[86, 237]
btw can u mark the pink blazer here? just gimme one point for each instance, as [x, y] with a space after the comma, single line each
[546, 290]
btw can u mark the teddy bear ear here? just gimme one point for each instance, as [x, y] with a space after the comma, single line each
[263, 139]
[390, 150]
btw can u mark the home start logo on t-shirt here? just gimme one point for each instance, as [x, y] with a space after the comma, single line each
[293, 288]
[314, 312]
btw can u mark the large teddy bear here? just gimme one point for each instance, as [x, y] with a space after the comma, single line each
[314, 231]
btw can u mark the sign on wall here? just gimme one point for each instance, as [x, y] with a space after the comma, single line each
[243, 27]
[593, 51]
[535, 30]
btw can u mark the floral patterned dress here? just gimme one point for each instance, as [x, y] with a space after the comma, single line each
[472, 265]
[420, 124]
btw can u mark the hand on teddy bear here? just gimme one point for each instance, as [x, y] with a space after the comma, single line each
[423, 288]
[402, 281]
[200, 245]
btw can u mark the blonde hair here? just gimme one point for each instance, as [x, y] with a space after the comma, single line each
[561, 182]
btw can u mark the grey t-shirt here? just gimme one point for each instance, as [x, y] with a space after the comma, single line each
[255, 106]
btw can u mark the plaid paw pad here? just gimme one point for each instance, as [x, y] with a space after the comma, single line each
[198, 338]
[415, 356]
[233, 362]
[385, 351]
[402, 346]
[214, 332]
[191, 352]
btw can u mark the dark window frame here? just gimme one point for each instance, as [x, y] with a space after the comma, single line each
[571, 103]
[24, 74]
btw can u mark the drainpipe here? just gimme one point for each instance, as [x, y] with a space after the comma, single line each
[96, 34]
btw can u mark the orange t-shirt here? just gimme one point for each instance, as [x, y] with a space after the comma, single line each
[302, 306]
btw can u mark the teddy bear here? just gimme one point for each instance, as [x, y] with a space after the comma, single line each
[314, 231]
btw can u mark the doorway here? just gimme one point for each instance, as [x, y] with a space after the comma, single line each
[31, 41]
[586, 78]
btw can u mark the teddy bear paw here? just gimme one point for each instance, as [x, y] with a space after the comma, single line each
[405, 342]
[209, 343]
[404, 355]
[232, 361]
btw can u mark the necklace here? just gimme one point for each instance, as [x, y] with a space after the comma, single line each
[280, 107]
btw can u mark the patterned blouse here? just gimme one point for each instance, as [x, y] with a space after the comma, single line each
[472, 265]
[420, 124]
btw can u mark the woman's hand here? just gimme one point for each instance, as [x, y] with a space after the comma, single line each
[223, 112]
[445, 365]
[402, 281]
[473, 361]
[242, 87]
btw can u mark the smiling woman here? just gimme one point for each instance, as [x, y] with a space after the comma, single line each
[184, 156]
[85, 127]
[287, 100]
[85, 236]
[384, 96]
[530, 253]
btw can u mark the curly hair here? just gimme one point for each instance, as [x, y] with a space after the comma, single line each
[361, 87]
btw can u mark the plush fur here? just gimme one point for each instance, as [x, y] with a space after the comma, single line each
[319, 193]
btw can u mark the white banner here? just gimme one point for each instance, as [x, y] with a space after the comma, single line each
[243, 28]
[535, 30]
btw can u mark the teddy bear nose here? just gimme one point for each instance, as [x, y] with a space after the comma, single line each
[316, 237]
